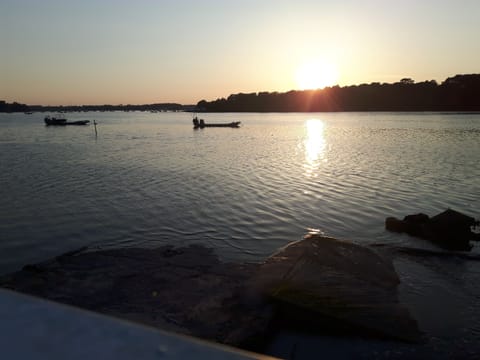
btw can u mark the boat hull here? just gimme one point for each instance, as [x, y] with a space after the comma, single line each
[49, 121]
[230, 125]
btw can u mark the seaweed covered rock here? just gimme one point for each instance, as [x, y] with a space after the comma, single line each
[450, 229]
[326, 283]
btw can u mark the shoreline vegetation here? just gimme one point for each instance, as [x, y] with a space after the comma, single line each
[18, 107]
[457, 93]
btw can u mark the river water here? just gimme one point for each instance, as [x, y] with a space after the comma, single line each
[149, 179]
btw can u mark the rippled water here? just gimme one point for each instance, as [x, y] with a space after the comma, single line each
[150, 179]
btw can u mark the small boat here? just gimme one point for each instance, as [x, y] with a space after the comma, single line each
[49, 120]
[54, 121]
[200, 124]
[78, 122]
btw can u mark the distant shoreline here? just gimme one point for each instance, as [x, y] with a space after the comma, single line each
[456, 94]
[17, 107]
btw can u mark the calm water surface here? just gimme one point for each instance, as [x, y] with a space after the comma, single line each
[150, 179]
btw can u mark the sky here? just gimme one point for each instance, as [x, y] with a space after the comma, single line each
[63, 52]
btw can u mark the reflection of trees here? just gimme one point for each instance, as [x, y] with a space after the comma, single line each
[458, 93]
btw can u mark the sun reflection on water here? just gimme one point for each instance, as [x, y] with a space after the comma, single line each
[314, 145]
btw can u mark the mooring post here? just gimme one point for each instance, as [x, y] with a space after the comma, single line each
[95, 125]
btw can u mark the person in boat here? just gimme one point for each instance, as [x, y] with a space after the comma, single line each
[195, 122]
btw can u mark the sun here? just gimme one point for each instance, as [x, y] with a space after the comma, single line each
[316, 74]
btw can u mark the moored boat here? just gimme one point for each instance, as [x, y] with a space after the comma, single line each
[50, 120]
[200, 124]
[78, 122]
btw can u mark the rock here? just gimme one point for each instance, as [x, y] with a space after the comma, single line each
[451, 225]
[321, 283]
[416, 223]
[411, 224]
[396, 225]
[450, 229]
[185, 290]
[335, 284]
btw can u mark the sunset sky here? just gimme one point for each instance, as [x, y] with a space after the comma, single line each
[59, 52]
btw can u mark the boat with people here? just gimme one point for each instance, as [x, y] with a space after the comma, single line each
[50, 120]
[200, 124]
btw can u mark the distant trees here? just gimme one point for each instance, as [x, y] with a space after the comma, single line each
[458, 93]
[13, 107]
[407, 81]
[16, 107]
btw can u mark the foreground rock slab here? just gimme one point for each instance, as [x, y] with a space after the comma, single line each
[327, 285]
[336, 284]
[185, 290]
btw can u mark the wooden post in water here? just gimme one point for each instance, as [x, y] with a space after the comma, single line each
[95, 125]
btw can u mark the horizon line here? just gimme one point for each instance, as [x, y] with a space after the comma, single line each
[252, 92]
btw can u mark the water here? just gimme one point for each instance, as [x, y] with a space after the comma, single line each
[149, 179]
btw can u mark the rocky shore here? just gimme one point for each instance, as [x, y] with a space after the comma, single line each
[450, 230]
[319, 284]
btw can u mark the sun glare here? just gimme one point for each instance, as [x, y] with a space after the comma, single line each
[316, 75]
[315, 141]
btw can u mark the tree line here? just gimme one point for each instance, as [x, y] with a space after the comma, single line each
[457, 93]
[17, 107]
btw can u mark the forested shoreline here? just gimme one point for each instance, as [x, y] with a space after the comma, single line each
[18, 107]
[457, 93]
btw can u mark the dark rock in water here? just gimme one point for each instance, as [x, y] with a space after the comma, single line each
[451, 224]
[411, 224]
[326, 282]
[415, 223]
[450, 229]
[396, 225]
